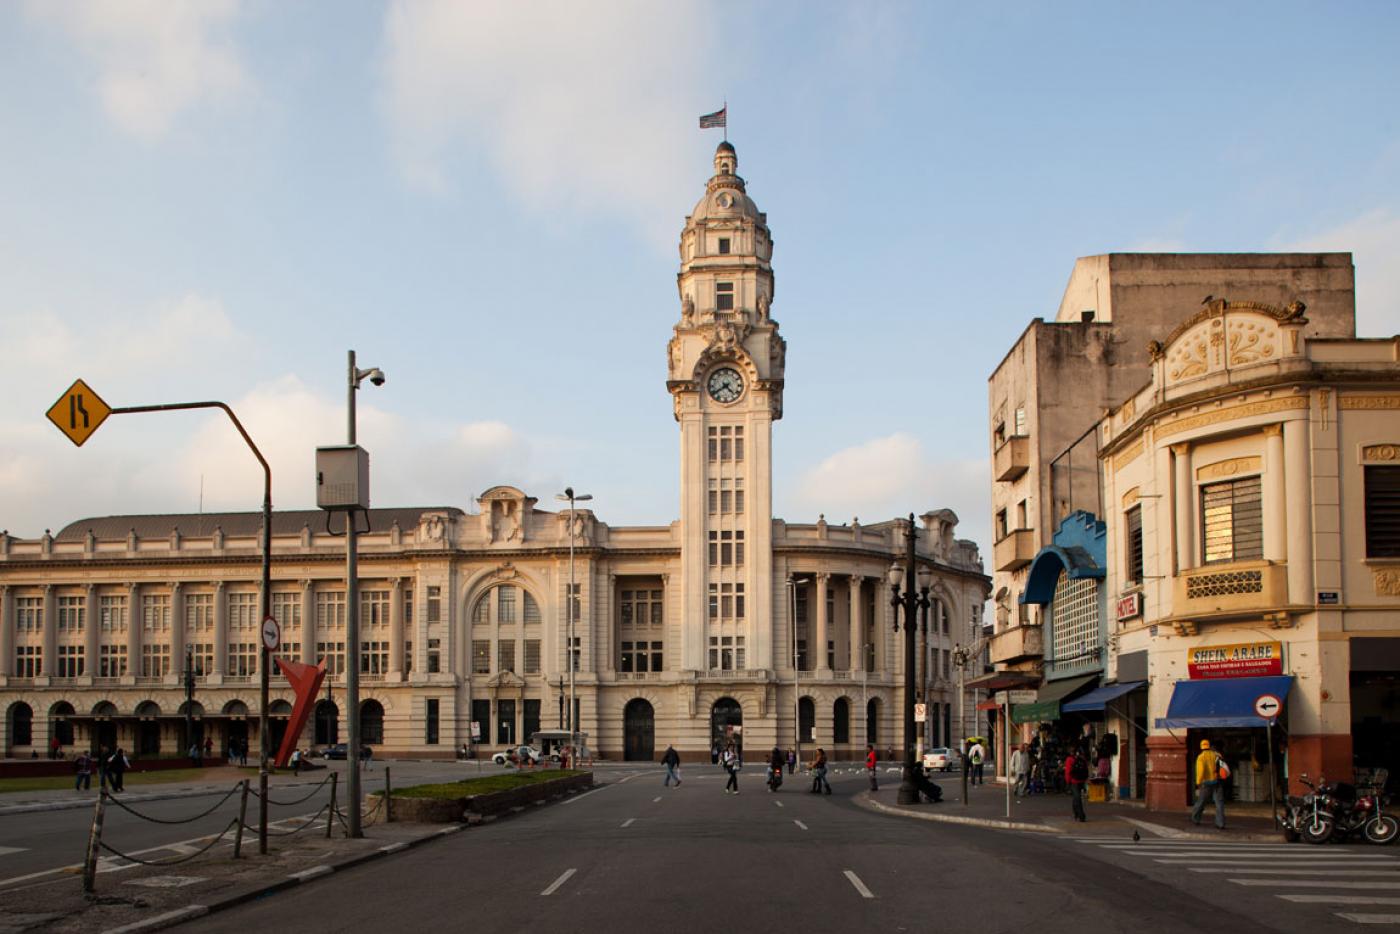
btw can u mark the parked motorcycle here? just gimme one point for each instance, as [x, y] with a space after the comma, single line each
[1336, 810]
[1308, 817]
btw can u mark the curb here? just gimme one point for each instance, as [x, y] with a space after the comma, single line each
[73, 804]
[1171, 833]
[189, 912]
[864, 800]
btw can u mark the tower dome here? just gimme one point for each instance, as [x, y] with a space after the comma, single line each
[725, 196]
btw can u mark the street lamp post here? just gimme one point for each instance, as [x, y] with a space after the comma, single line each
[570, 497]
[911, 599]
[352, 613]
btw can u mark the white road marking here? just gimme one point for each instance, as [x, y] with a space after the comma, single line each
[7, 850]
[559, 881]
[393, 847]
[800, 824]
[778, 803]
[160, 921]
[656, 799]
[1343, 899]
[860, 886]
[584, 795]
[629, 822]
[313, 873]
[1244, 867]
[1369, 919]
[1336, 884]
[1373, 862]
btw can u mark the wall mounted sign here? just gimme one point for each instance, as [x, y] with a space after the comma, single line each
[1129, 606]
[1328, 598]
[1237, 660]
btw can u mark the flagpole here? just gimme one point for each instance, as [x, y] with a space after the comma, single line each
[725, 108]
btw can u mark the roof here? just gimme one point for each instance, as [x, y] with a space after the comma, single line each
[197, 525]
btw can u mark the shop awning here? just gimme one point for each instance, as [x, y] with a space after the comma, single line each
[989, 705]
[1099, 698]
[1221, 702]
[1001, 681]
[1047, 702]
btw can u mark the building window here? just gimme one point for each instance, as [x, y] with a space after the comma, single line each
[577, 652]
[155, 612]
[726, 549]
[1001, 528]
[999, 434]
[374, 608]
[1382, 512]
[242, 611]
[286, 609]
[201, 658]
[111, 661]
[723, 245]
[408, 658]
[1023, 514]
[199, 612]
[505, 656]
[71, 661]
[71, 614]
[532, 610]
[155, 660]
[1019, 421]
[505, 604]
[724, 296]
[112, 613]
[374, 658]
[1133, 544]
[330, 609]
[29, 661]
[434, 604]
[334, 654]
[291, 651]
[408, 605]
[242, 659]
[29, 614]
[532, 656]
[1232, 521]
[1074, 622]
[727, 653]
[434, 656]
[725, 443]
[430, 722]
[481, 656]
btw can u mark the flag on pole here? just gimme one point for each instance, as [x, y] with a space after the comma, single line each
[718, 118]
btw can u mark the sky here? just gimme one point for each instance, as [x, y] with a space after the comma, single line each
[218, 199]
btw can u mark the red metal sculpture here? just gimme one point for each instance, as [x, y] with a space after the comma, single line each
[306, 682]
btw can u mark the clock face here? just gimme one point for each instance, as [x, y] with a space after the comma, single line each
[726, 385]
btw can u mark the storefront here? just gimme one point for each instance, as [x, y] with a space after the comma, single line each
[1243, 719]
[1113, 707]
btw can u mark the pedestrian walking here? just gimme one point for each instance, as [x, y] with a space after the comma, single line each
[714, 753]
[792, 762]
[209, 747]
[55, 749]
[672, 761]
[83, 767]
[102, 755]
[117, 766]
[1211, 772]
[732, 764]
[872, 762]
[819, 782]
[1076, 774]
[243, 752]
[1020, 769]
[976, 755]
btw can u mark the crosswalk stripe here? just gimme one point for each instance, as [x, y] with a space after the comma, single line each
[1370, 862]
[1333, 883]
[1342, 899]
[1369, 919]
[1245, 867]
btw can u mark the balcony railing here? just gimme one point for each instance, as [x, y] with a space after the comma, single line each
[1237, 588]
[1014, 551]
[1012, 459]
[1017, 644]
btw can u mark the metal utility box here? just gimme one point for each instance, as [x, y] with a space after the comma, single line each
[342, 477]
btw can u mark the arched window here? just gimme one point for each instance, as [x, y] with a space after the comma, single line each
[494, 636]
[372, 722]
[61, 725]
[841, 721]
[21, 724]
[727, 723]
[807, 720]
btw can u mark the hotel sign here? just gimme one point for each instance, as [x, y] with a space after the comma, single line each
[1129, 606]
[1238, 660]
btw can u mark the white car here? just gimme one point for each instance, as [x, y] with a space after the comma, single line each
[524, 752]
[939, 759]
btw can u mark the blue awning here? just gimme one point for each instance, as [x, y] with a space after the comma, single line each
[1221, 702]
[1099, 698]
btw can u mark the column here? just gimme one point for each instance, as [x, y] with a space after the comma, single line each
[92, 612]
[308, 622]
[7, 629]
[857, 628]
[220, 629]
[50, 633]
[177, 634]
[133, 633]
[822, 580]
[396, 632]
[1275, 498]
[1185, 491]
[1297, 478]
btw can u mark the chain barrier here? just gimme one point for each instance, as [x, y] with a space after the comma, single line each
[270, 800]
[310, 821]
[171, 862]
[188, 820]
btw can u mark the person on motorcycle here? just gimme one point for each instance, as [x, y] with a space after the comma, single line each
[776, 760]
[1209, 784]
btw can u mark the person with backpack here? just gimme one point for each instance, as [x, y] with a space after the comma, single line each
[732, 765]
[871, 765]
[819, 782]
[116, 768]
[1076, 774]
[672, 761]
[83, 767]
[976, 755]
[1211, 773]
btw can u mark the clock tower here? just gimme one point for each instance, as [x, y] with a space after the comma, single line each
[725, 376]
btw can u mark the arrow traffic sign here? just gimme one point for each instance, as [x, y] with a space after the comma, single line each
[1267, 706]
[271, 634]
[79, 412]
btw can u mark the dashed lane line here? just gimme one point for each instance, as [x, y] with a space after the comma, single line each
[1369, 919]
[1342, 899]
[802, 825]
[656, 799]
[629, 822]
[584, 795]
[559, 881]
[1332, 883]
[859, 885]
[778, 803]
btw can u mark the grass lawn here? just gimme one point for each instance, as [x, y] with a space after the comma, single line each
[479, 786]
[52, 782]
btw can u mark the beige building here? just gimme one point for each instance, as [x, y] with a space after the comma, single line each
[727, 624]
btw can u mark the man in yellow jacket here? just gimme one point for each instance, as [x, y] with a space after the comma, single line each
[1208, 784]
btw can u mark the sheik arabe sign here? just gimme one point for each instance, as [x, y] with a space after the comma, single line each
[1237, 660]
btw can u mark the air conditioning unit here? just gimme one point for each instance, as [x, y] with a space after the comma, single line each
[342, 477]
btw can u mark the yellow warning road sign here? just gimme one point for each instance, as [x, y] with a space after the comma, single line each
[79, 412]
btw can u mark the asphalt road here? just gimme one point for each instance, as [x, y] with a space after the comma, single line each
[634, 856]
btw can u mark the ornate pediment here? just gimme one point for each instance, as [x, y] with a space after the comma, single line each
[1229, 336]
[504, 514]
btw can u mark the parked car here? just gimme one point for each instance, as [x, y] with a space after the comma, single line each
[341, 750]
[940, 759]
[524, 752]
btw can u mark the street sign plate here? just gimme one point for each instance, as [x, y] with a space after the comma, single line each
[271, 634]
[79, 412]
[1267, 706]
[1021, 697]
[920, 713]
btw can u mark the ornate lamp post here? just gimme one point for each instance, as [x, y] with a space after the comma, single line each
[570, 497]
[912, 600]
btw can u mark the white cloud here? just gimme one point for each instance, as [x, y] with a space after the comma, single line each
[153, 59]
[1373, 239]
[579, 107]
[887, 477]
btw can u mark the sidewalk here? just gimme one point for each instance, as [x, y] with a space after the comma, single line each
[216, 780]
[986, 807]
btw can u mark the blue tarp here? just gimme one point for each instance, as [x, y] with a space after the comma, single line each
[1098, 698]
[1221, 702]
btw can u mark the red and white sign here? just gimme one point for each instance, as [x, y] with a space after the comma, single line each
[1129, 606]
[1267, 706]
[1237, 660]
[271, 634]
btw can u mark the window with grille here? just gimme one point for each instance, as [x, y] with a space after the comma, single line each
[374, 608]
[481, 656]
[71, 661]
[155, 660]
[199, 612]
[532, 656]
[330, 609]
[112, 613]
[505, 604]
[724, 296]
[1074, 621]
[155, 612]
[29, 661]
[374, 658]
[71, 614]
[29, 614]
[286, 609]
[1232, 527]
[242, 659]
[505, 656]
[242, 611]
[1133, 543]
[201, 655]
[434, 604]
[1382, 512]
[532, 609]
[111, 661]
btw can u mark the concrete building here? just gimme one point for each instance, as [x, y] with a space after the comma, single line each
[727, 624]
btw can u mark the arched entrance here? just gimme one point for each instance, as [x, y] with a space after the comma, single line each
[236, 726]
[727, 723]
[872, 721]
[104, 727]
[279, 712]
[807, 720]
[147, 729]
[327, 719]
[372, 723]
[21, 717]
[61, 723]
[841, 722]
[639, 731]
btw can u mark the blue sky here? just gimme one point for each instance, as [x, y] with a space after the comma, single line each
[218, 199]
